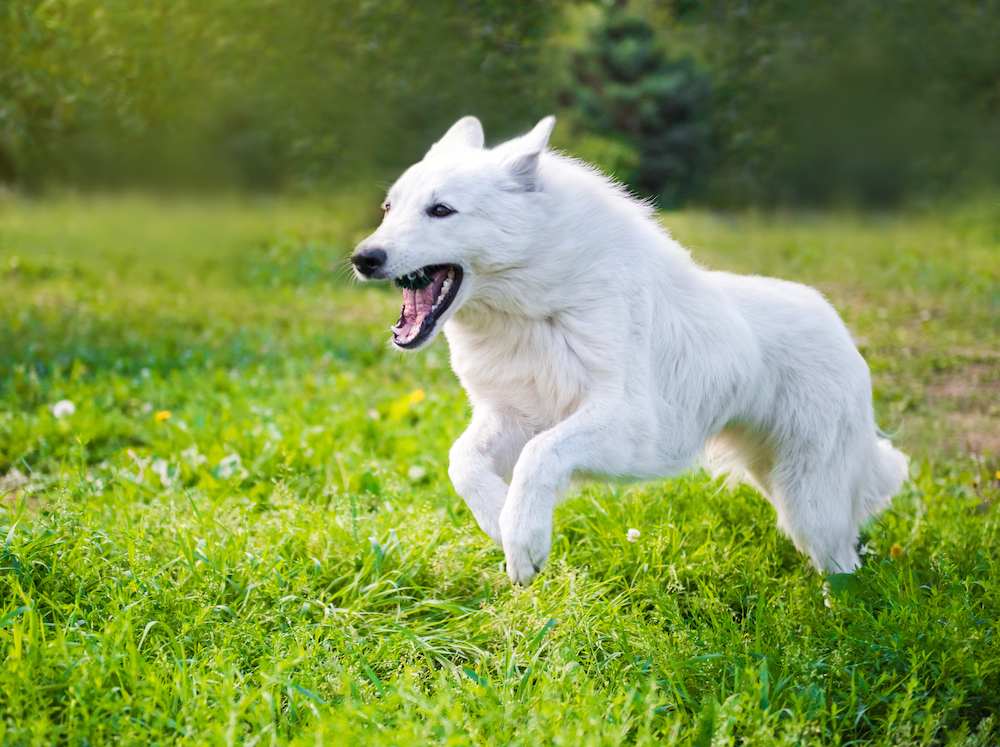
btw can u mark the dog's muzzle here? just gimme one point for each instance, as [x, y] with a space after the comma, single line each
[369, 261]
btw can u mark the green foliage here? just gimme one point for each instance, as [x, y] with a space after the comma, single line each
[857, 102]
[614, 156]
[282, 560]
[770, 102]
[250, 93]
[803, 103]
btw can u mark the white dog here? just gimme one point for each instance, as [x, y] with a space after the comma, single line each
[590, 343]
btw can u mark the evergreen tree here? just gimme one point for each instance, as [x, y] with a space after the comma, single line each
[626, 85]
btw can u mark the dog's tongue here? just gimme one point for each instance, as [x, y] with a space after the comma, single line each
[417, 306]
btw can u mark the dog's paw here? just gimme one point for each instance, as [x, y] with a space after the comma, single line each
[526, 552]
[521, 566]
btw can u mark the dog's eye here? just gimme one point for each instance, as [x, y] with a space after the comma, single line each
[439, 211]
[386, 206]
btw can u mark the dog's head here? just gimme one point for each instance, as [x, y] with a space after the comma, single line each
[452, 220]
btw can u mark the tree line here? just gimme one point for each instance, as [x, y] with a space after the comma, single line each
[711, 101]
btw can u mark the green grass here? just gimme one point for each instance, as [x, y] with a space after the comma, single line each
[283, 560]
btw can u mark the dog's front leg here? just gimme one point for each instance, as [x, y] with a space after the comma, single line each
[594, 439]
[482, 459]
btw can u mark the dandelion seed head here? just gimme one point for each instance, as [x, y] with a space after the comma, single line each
[63, 408]
[632, 535]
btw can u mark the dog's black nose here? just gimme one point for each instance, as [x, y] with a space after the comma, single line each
[368, 261]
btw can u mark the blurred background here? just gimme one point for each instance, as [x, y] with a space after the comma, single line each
[712, 102]
[181, 183]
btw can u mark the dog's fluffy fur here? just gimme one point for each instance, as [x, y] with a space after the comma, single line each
[590, 343]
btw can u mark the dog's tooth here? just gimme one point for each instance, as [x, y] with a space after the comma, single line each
[445, 286]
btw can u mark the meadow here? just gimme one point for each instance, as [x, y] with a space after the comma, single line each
[244, 533]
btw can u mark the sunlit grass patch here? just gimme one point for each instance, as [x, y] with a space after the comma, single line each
[241, 528]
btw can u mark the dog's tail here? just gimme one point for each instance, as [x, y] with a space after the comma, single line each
[888, 469]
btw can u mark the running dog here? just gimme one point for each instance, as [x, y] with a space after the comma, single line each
[590, 343]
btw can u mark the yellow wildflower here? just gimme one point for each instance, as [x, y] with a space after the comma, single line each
[416, 395]
[162, 415]
[896, 550]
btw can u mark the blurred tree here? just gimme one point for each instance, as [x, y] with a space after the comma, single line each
[725, 100]
[36, 95]
[626, 85]
[252, 92]
[858, 101]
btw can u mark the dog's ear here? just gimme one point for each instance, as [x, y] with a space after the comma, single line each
[522, 162]
[465, 133]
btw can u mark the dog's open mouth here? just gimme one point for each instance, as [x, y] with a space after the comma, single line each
[427, 293]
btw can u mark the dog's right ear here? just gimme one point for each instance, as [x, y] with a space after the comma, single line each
[522, 162]
[465, 133]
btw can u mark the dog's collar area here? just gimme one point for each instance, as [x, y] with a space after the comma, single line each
[427, 294]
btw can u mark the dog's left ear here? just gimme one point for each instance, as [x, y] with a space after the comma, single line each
[522, 163]
[465, 133]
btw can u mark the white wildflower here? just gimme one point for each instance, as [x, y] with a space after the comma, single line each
[229, 466]
[192, 457]
[63, 408]
[632, 535]
[12, 481]
[162, 468]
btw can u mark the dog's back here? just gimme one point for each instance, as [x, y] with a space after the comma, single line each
[807, 438]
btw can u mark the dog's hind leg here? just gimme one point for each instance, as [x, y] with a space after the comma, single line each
[481, 461]
[816, 515]
[824, 489]
[813, 506]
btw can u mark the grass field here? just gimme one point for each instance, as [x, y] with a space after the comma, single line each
[245, 534]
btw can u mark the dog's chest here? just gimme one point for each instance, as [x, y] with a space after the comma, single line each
[531, 369]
